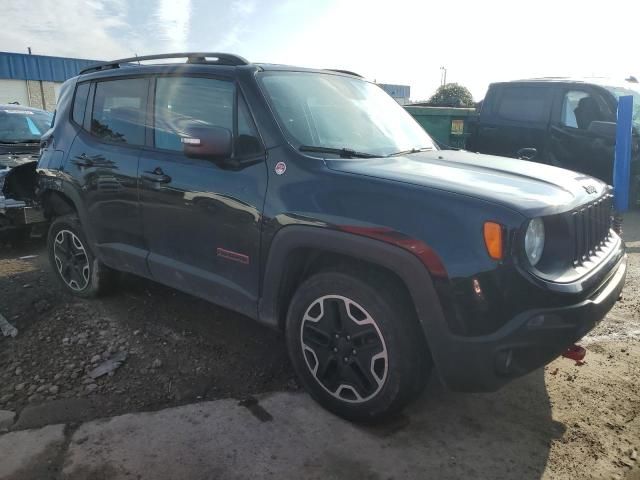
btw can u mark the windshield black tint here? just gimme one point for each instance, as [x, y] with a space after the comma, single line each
[23, 126]
[334, 111]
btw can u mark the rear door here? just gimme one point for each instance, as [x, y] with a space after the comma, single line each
[103, 161]
[516, 118]
[572, 145]
[202, 218]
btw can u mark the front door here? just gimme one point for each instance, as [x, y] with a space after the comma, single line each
[572, 144]
[201, 217]
[103, 160]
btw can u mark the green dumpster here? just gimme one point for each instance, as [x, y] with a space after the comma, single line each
[449, 126]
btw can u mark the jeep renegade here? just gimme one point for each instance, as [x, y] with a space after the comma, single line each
[311, 201]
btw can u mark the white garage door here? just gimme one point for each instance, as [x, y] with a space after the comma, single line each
[14, 91]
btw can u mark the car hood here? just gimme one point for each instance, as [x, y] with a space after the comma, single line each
[527, 187]
[12, 156]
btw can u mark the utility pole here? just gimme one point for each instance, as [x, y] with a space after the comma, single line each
[443, 75]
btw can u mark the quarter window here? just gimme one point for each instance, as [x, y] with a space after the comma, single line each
[246, 142]
[183, 102]
[525, 104]
[80, 103]
[119, 110]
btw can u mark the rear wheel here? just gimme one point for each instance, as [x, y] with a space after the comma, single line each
[77, 268]
[356, 345]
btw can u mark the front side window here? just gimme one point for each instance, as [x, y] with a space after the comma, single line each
[119, 110]
[18, 125]
[183, 102]
[579, 109]
[524, 104]
[334, 111]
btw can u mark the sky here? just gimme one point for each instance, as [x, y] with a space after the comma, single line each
[396, 41]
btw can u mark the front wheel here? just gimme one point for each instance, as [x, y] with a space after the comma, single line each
[77, 268]
[356, 345]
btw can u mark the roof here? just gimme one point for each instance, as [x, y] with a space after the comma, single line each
[20, 66]
[601, 81]
[196, 61]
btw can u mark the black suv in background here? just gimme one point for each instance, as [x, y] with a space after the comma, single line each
[20, 132]
[568, 123]
[312, 202]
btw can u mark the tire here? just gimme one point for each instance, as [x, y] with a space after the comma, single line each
[75, 265]
[363, 365]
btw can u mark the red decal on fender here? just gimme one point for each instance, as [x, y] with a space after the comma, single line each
[234, 256]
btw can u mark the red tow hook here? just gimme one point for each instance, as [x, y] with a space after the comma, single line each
[575, 352]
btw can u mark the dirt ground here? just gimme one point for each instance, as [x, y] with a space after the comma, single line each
[583, 421]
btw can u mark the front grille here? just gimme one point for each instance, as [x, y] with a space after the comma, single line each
[591, 227]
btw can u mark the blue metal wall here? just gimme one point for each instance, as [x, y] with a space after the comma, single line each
[396, 91]
[19, 66]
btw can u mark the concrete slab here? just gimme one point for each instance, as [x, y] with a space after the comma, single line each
[31, 454]
[287, 436]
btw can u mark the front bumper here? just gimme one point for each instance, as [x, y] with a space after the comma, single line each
[530, 340]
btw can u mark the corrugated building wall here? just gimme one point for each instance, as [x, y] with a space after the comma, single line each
[35, 80]
[400, 93]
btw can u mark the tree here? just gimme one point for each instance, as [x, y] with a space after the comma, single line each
[451, 95]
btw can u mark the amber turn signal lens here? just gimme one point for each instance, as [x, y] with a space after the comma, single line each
[493, 239]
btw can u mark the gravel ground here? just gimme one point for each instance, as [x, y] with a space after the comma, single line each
[178, 349]
[182, 350]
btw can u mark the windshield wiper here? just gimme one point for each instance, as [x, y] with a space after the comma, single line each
[407, 152]
[343, 152]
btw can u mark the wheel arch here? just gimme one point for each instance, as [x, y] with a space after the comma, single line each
[58, 200]
[296, 251]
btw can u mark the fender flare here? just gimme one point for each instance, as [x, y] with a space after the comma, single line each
[61, 188]
[404, 264]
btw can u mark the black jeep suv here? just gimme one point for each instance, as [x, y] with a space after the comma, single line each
[310, 201]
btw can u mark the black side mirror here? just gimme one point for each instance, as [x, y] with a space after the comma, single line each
[528, 153]
[210, 143]
[603, 129]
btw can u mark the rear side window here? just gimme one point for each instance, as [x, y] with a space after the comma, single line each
[183, 102]
[80, 103]
[119, 110]
[524, 104]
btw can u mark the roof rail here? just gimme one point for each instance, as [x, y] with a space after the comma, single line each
[344, 71]
[192, 57]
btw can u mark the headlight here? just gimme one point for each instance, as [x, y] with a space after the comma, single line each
[534, 240]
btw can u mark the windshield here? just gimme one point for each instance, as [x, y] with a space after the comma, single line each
[635, 93]
[22, 126]
[332, 111]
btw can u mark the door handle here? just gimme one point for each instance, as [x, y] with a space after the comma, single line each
[82, 160]
[156, 176]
